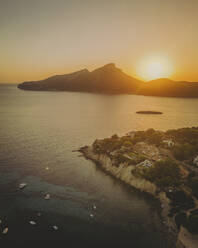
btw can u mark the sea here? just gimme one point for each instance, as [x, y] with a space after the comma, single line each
[39, 135]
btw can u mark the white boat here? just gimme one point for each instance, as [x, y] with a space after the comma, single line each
[55, 228]
[22, 185]
[5, 230]
[32, 222]
[47, 197]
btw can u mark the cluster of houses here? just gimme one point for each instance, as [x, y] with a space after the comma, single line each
[168, 143]
[195, 161]
[150, 151]
[146, 163]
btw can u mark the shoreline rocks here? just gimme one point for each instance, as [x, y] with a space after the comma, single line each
[123, 173]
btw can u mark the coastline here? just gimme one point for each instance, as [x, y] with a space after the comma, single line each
[183, 239]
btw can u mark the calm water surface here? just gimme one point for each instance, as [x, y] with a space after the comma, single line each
[39, 130]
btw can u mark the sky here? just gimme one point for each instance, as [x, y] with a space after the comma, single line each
[40, 38]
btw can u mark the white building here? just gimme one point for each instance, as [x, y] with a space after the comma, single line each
[169, 143]
[195, 161]
[146, 163]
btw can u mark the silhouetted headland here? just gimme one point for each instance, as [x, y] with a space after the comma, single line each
[111, 80]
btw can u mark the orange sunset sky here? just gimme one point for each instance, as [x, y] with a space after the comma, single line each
[145, 38]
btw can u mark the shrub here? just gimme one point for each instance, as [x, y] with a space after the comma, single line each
[139, 136]
[180, 200]
[192, 223]
[115, 136]
[126, 139]
[120, 158]
[193, 184]
[185, 135]
[106, 145]
[164, 173]
[155, 138]
[150, 131]
[127, 143]
[184, 151]
[181, 219]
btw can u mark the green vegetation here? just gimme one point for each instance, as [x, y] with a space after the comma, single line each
[177, 179]
[188, 221]
[106, 145]
[192, 222]
[181, 219]
[193, 184]
[164, 173]
[180, 200]
[184, 151]
[185, 135]
[185, 139]
[109, 145]
[151, 136]
[131, 158]
[155, 139]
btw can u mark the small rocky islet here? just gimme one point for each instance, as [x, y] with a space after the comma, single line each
[148, 112]
[161, 163]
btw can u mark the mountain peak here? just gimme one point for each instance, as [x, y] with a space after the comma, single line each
[81, 71]
[110, 79]
[161, 80]
[107, 67]
[110, 65]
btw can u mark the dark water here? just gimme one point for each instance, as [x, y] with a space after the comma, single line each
[39, 130]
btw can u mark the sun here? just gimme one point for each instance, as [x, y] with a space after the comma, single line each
[154, 67]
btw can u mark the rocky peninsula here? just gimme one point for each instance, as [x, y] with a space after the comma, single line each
[162, 164]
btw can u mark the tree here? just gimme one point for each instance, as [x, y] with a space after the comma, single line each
[164, 173]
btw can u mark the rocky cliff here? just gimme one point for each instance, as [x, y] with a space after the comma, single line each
[121, 172]
[124, 172]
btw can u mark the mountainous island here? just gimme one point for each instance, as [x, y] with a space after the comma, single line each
[111, 80]
[162, 164]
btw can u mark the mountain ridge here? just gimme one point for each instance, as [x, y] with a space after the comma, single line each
[109, 79]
